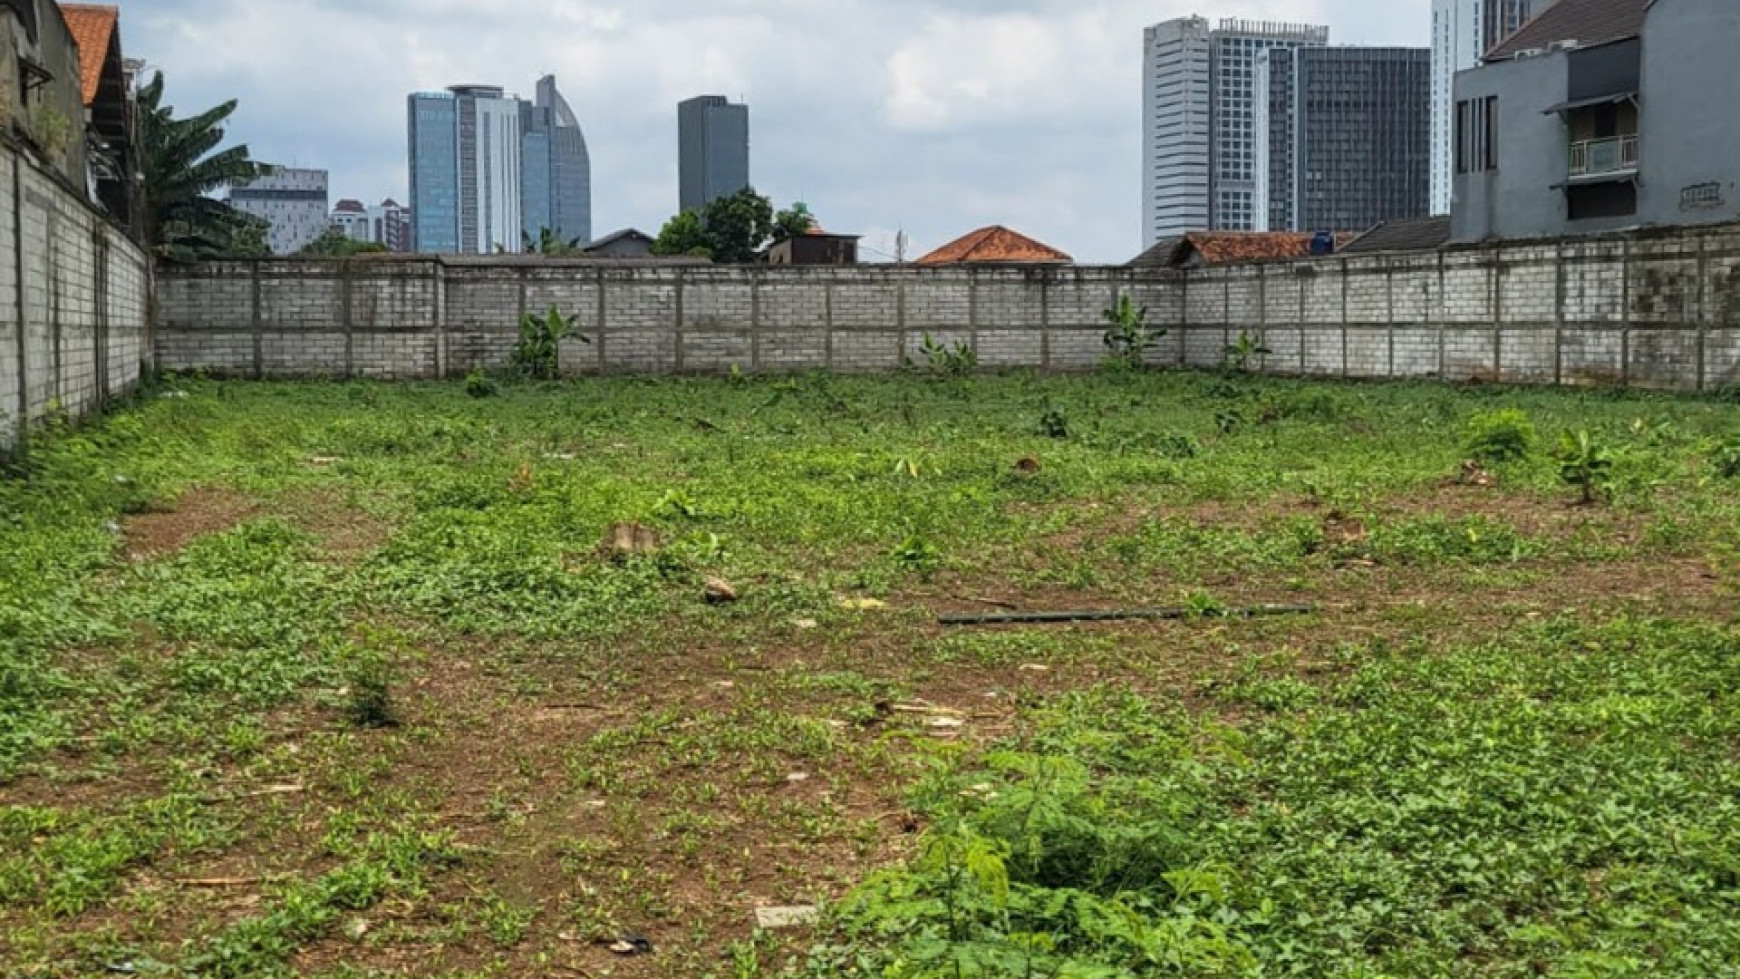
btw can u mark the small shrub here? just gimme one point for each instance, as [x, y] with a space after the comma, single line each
[1177, 446]
[1130, 337]
[371, 702]
[1242, 351]
[1500, 436]
[1727, 459]
[538, 354]
[950, 360]
[478, 384]
[918, 556]
[1586, 464]
[1053, 423]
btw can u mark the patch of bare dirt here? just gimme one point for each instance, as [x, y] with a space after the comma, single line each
[201, 511]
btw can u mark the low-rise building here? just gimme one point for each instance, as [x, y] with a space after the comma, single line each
[1596, 116]
[627, 243]
[995, 245]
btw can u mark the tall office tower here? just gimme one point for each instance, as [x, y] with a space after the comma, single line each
[1199, 121]
[1343, 137]
[712, 149]
[556, 182]
[292, 201]
[465, 170]
[1462, 32]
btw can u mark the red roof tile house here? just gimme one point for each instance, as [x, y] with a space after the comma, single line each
[109, 114]
[995, 245]
[1203, 248]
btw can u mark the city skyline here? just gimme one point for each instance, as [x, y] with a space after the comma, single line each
[937, 119]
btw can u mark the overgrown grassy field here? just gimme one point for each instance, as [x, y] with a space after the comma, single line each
[339, 680]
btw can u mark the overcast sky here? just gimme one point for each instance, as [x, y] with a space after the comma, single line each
[934, 117]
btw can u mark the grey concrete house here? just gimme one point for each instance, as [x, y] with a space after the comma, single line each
[1600, 115]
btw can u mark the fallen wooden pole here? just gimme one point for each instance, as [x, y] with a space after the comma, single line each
[1130, 615]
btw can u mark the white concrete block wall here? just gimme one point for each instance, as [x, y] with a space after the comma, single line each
[72, 326]
[12, 420]
[1489, 313]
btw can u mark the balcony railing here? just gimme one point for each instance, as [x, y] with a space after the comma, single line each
[1594, 157]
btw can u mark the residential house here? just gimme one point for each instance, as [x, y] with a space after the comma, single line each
[995, 245]
[42, 86]
[1596, 116]
[627, 243]
[1417, 235]
[1200, 249]
[816, 247]
[110, 116]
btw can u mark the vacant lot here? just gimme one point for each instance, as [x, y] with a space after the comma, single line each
[345, 680]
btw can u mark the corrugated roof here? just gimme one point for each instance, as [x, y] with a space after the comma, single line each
[93, 28]
[995, 244]
[1418, 235]
[1588, 22]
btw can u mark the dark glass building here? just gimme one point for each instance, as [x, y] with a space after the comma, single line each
[712, 149]
[1344, 137]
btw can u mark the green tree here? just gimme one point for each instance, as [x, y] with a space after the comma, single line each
[334, 243]
[683, 235]
[551, 245]
[180, 169]
[793, 222]
[729, 230]
[249, 239]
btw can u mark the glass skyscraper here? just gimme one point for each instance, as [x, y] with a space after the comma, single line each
[556, 187]
[1343, 137]
[488, 169]
[712, 150]
[1199, 163]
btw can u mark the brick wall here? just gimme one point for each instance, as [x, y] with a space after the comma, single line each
[1651, 309]
[73, 302]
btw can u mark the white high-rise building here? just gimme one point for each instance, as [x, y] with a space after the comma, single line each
[292, 201]
[1199, 139]
[1462, 32]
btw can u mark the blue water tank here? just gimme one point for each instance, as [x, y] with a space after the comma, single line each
[1323, 243]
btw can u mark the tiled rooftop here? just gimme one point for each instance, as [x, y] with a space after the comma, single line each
[93, 28]
[1588, 22]
[995, 244]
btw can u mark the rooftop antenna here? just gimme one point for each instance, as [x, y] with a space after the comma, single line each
[900, 247]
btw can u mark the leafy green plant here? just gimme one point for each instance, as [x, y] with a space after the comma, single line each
[1726, 459]
[1507, 435]
[1129, 337]
[479, 385]
[1585, 464]
[538, 353]
[1053, 422]
[370, 703]
[950, 360]
[918, 556]
[1240, 353]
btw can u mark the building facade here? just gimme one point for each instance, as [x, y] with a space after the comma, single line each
[465, 170]
[387, 224]
[1199, 163]
[489, 170]
[712, 150]
[434, 159]
[1343, 137]
[556, 169]
[292, 201]
[1462, 32]
[1595, 117]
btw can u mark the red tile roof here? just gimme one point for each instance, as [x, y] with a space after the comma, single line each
[995, 244]
[1233, 247]
[93, 28]
[1588, 22]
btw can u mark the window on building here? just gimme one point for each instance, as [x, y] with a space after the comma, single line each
[1477, 135]
[1610, 200]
